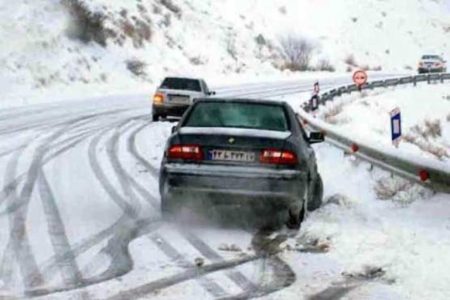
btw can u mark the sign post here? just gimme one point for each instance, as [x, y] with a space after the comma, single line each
[314, 101]
[360, 78]
[396, 126]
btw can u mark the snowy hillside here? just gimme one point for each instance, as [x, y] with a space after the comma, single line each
[76, 47]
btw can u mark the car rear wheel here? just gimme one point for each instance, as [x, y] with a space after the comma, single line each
[315, 198]
[155, 118]
[296, 218]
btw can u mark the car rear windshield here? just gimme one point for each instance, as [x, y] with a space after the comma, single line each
[181, 84]
[431, 57]
[238, 115]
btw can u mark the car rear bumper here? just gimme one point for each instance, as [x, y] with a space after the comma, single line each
[169, 110]
[259, 188]
[430, 70]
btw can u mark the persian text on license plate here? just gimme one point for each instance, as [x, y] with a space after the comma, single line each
[231, 155]
[178, 99]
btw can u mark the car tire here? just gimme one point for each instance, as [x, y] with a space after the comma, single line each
[315, 199]
[155, 118]
[166, 208]
[295, 220]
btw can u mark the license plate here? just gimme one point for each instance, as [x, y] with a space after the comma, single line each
[179, 99]
[228, 155]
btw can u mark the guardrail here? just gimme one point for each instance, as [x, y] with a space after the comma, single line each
[428, 172]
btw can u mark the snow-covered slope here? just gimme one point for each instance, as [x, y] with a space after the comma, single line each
[425, 118]
[133, 44]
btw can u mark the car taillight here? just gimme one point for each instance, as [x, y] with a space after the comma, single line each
[437, 64]
[420, 64]
[276, 156]
[158, 98]
[186, 152]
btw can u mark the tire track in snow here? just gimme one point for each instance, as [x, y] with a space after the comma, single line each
[268, 252]
[123, 231]
[133, 150]
[208, 284]
[163, 283]
[67, 264]
[101, 177]
[122, 234]
[9, 186]
[237, 277]
[19, 243]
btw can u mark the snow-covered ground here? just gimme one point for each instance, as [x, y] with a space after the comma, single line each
[79, 219]
[425, 112]
[79, 202]
[55, 52]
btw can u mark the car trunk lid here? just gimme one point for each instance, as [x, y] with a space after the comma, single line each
[231, 146]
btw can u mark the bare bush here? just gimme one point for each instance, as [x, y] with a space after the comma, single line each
[171, 6]
[325, 65]
[86, 26]
[431, 128]
[421, 135]
[350, 60]
[136, 66]
[377, 68]
[387, 188]
[298, 52]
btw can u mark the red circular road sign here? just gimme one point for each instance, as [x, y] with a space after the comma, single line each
[360, 77]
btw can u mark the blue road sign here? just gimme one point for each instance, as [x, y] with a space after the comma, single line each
[396, 126]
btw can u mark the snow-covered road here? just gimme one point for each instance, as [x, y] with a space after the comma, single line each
[79, 218]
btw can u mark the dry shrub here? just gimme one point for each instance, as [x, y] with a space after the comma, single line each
[400, 190]
[171, 6]
[297, 52]
[86, 26]
[431, 129]
[377, 68]
[350, 60]
[386, 188]
[421, 136]
[136, 66]
[325, 65]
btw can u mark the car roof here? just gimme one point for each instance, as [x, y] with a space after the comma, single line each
[182, 77]
[241, 100]
[431, 55]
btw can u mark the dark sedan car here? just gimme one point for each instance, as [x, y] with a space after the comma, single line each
[241, 155]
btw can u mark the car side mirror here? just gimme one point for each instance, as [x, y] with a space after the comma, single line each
[316, 137]
[174, 129]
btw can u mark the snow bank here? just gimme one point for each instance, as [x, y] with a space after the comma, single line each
[425, 119]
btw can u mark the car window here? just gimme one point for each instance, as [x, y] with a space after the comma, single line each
[431, 57]
[238, 115]
[181, 84]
